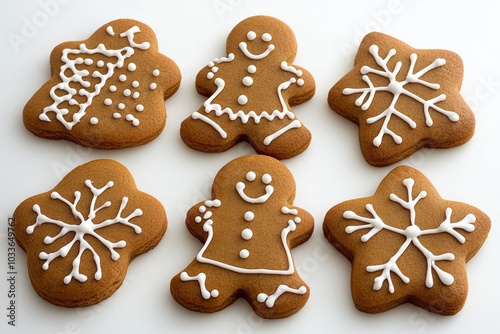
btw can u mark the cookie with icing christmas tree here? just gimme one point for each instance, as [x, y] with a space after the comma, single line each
[407, 244]
[248, 229]
[403, 99]
[251, 92]
[106, 92]
[81, 235]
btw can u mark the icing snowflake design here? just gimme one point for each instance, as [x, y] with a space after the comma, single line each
[412, 233]
[75, 69]
[397, 88]
[87, 226]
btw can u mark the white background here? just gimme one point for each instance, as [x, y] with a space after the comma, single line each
[331, 170]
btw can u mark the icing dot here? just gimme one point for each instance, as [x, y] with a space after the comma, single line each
[249, 216]
[202, 209]
[94, 120]
[250, 176]
[112, 88]
[297, 220]
[300, 82]
[139, 107]
[136, 122]
[210, 75]
[152, 86]
[100, 63]
[242, 99]
[251, 35]
[127, 92]
[244, 253]
[121, 106]
[267, 37]
[266, 178]
[251, 69]
[211, 64]
[247, 81]
[136, 95]
[117, 115]
[247, 234]
[197, 219]
[78, 60]
[122, 77]
[135, 83]
[156, 72]
[108, 102]
[214, 293]
[215, 69]
[131, 67]
[88, 61]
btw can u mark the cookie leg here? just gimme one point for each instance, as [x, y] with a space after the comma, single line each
[203, 132]
[283, 139]
[281, 300]
[198, 291]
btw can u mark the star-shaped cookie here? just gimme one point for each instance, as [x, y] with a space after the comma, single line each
[403, 99]
[407, 244]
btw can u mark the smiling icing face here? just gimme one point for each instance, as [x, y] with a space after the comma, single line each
[262, 37]
[251, 36]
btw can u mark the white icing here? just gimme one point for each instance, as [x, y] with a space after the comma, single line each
[117, 115]
[139, 107]
[132, 67]
[242, 99]
[201, 278]
[79, 76]
[108, 102]
[136, 95]
[88, 61]
[152, 86]
[240, 188]
[251, 69]
[247, 234]
[156, 72]
[244, 48]
[131, 118]
[249, 216]
[244, 253]
[250, 176]
[122, 78]
[397, 88]
[112, 88]
[251, 35]
[135, 83]
[210, 75]
[84, 228]
[127, 92]
[121, 106]
[94, 120]
[247, 81]
[266, 178]
[266, 37]
[270, 300]
[412, 233]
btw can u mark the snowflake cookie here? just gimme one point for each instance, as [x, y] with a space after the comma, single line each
[403, 99]
[106, 92]
[248, 228]
[80, 236]
[251, 91]
[407, 244]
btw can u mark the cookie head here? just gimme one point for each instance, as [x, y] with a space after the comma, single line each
[255, 182]
[262, 37]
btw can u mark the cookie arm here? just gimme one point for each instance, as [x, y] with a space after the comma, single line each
[196, 218]
[303, 90]
[304, 227]
[205, 84]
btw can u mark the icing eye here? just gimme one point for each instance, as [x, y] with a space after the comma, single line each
[267, 37]
[251, 35]
[250, 176]
[266, 178]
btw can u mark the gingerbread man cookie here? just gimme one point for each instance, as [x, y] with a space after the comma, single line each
[403, 99]
[248, 229]
[81, 236]
[407, 244]
[106, 92]
[251, 91]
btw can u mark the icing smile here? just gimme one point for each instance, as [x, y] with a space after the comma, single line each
[251, 35]
[244, 49]
[266, 179]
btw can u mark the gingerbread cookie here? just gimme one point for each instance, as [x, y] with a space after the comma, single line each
[403, 99]
[251, 91]
[407, 244]
[105, 92]
[248, 229]
[81, 236]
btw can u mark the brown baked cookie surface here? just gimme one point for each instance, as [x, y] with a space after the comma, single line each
[81, 235]
[407, 244]
[403, 99]
[105, 92]
[251, 92]
[248, 228]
